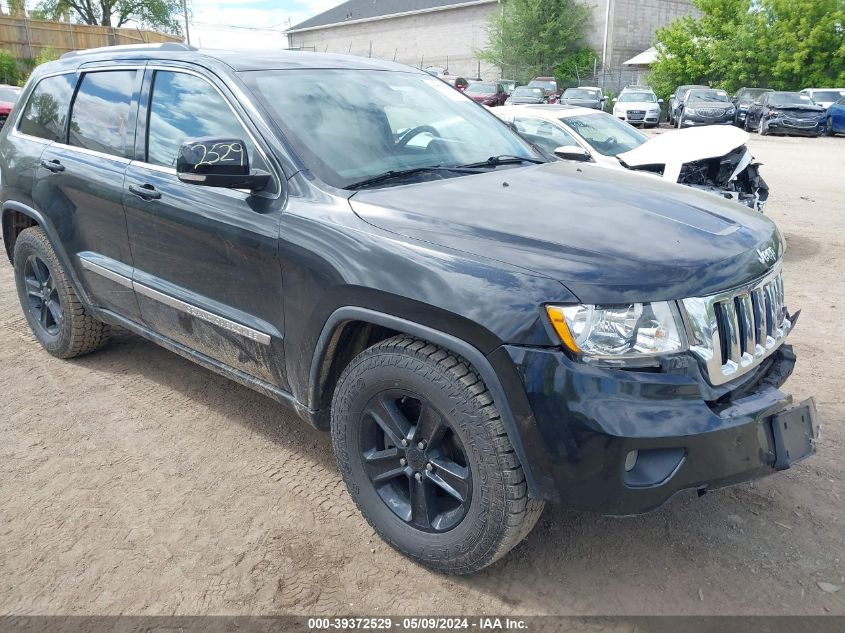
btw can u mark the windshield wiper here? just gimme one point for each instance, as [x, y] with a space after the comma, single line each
[396, 174]
[504, 159]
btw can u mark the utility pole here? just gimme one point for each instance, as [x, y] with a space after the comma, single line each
[187, 28]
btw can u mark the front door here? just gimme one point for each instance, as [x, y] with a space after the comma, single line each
[80, 179]
[207, 272]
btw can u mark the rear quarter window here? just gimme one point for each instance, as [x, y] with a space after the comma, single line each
[46, 110]
[101, 118]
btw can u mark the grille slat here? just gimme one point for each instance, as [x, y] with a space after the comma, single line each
[736, 330]
[746, 322]
[761, 321]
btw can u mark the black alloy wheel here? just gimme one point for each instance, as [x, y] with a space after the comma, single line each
[415, 461]
[43, 296]
[58, 319]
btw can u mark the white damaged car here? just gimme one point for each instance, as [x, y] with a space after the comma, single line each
[713, 159]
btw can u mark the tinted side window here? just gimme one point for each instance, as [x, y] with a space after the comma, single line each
[185, 107]
[100, 119]
[46, 110]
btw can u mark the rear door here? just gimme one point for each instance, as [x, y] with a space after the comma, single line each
[80, 183]
[41, 122]
[207, 272]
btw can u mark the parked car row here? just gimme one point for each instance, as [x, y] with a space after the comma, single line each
[811, 112]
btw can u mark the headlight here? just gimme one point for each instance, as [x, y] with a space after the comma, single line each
[690, 111]
[619, 332]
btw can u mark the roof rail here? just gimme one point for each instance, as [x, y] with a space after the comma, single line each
[132, 48]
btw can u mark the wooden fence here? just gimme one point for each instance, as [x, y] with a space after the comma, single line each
[26, 38]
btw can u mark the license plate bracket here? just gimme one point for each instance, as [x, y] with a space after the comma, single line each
[794, 432]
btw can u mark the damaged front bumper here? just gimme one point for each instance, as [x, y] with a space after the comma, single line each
[735, 176]
[623, 442]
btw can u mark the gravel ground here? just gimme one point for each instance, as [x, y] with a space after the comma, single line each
[135, 482]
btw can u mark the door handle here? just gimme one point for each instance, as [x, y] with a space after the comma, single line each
[145, 192]
[53, 165]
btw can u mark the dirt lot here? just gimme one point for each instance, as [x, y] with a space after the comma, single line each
[135, 482]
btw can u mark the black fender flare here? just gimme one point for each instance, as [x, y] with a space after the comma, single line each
[533, 470]
[55, 242]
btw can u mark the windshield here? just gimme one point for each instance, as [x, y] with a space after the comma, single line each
[9, 94]
[707, 95]
[751, 94]
[787, 99]
[637, 97]
[545, 85]
[607, 134]
[580, 93]
[826, 95]
[482, 89]
[529, 92]
[350, 125]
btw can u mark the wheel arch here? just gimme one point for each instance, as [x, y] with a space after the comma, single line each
[349, 330]
[16, 218]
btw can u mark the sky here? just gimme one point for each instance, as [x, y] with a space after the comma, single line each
[214, 23]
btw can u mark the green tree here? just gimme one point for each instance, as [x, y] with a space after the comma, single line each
[782, 44]
[161, 15]
[9, 73]
[528, 38]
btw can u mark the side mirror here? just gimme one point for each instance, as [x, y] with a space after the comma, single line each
[572, 152]
[660, 101]
[613, 100]
[218, 162]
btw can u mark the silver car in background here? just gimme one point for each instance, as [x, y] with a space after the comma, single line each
[638, 106]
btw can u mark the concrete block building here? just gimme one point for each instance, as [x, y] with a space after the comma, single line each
[448, 33]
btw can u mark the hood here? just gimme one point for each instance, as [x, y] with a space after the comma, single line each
[6, 106]
[677, 147]
[810, 108]
[720, 105]
[525, 99]
[584, 103]
[609, 236]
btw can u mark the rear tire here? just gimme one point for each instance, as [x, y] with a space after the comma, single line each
[409, 417]
[55, 315]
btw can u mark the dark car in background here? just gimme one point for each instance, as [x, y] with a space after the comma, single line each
[8, 97]
[584, 97]
[836, 118]
[707, 106]
[677, 99]
[549, 86]
[527, 94]
[786, 113]
[742, 100]
[489, 93]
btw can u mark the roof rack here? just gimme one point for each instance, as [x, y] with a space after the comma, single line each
[132, 48]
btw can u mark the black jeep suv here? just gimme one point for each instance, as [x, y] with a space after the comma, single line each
[366, 245]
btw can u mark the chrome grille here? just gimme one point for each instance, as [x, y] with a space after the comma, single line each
[711, 112]
[733, 332]
[801, 122]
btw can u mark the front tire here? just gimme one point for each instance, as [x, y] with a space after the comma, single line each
[424, 454]
[761, 128]
[55, 315]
